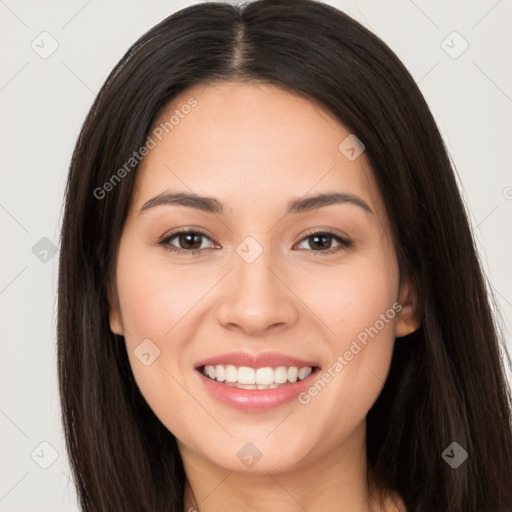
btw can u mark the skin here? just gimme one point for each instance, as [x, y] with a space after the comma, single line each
[255, 147]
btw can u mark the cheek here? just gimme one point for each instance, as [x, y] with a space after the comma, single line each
[359, 308]
[353, 299]
[154, 306]
[154, 302]
[155, 295]
[353, 377]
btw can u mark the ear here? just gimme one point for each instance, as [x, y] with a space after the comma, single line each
[408, 317]
[116, 325]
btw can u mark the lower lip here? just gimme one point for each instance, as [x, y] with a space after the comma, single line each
[255, 399]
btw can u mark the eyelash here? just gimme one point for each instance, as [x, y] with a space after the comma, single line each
[165, 241]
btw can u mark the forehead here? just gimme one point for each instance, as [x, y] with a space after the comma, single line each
[250, 144]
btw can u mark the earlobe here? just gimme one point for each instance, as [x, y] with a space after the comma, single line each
[114, 314]
[115, 324]
[408, 316]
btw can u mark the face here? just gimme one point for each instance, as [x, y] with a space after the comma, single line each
[263, 292]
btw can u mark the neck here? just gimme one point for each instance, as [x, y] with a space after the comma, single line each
[335, 480]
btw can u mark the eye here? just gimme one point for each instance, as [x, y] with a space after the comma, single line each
[187, 239]
[318, 239]
[189, 242]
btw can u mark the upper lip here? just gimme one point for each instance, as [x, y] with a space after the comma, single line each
[258, 360]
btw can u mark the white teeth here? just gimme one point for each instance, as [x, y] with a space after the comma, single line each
[293, 372]
[220, 373]
[281, 375]
[250, 386]
[245, 377]
[211, 372]
[304, 372]
[231, 373]
[264, 376]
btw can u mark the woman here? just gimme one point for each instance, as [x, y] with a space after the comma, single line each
[269, 296]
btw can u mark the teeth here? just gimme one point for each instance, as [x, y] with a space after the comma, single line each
[210, 371]
[281, 375]
[230, 372]
[245, 377]
[252, 386]
[264, 376]
[293, 373]
[304, 372]
[220, 373]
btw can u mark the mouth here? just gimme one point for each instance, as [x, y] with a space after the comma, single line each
[263, 378]
[254, 382]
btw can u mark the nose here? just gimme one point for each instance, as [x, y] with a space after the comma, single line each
[258, 299]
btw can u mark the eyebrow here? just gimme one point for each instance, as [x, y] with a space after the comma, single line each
[212, 205]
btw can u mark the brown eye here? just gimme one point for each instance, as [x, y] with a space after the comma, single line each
[188, 241]
[322, 240]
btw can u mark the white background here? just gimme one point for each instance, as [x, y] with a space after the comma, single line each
[43, 105]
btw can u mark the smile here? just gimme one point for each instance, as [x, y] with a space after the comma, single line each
[256, 397]
[244, 377]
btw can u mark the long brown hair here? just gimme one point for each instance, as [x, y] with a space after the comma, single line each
[447, 381]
